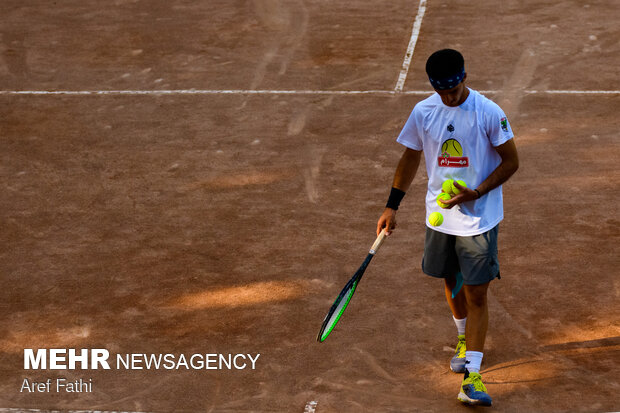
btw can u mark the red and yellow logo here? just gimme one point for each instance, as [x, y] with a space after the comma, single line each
[452, 155]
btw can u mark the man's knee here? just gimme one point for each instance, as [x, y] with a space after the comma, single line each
[476, 295]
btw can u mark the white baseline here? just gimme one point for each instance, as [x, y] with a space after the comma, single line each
[279, 92]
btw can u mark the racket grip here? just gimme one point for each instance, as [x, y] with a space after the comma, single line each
[378, 242]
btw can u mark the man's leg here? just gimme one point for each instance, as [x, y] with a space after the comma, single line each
[477, 316]
[458, 303]
[478, 261]
[459, 313]
[473, 390]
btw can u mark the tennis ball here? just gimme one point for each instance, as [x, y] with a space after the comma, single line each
[455, 190]
[445, 197]
[447, 186]
[435, 219]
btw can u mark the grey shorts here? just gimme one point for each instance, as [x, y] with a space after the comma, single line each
[475, 257]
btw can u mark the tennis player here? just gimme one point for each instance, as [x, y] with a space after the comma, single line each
[464, 136]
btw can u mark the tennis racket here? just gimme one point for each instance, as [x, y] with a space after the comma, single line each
[341, 303]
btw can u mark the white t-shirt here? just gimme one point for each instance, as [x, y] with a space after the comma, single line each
[458, 143]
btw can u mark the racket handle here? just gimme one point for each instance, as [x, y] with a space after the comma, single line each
[378, 242]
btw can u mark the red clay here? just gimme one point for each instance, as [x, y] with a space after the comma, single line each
[228, 223]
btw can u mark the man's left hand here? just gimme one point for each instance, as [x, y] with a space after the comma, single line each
[465, 195]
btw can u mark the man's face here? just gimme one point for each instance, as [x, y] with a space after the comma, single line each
[455, 96]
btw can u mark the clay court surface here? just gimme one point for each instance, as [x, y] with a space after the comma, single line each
[225, 215]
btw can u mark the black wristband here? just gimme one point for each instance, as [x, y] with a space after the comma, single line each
[478, 192]
[396, 195]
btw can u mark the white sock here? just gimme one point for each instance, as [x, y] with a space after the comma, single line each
[460, 325]
[473, 360]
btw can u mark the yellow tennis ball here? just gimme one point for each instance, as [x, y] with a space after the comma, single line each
[435, 219]
[445, 197]
[447, 186]
[455, 190]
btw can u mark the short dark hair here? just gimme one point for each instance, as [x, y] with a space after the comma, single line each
[444, 63]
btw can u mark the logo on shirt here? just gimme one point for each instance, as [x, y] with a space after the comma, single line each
[504, 123]
[452, 155]
[450, 128]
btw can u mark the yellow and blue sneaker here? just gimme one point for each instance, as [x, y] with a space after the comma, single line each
[473, 390]
[457, 364]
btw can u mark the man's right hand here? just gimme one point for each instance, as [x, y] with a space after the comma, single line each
[387, 220]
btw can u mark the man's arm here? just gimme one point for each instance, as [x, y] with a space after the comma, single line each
[405, 172]
[508, 166]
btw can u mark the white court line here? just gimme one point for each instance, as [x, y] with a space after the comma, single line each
[18, 410]
[415, 31]
[209, 92]
[575, 92]
[282, 92]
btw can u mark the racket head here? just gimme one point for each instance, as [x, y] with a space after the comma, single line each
[341, 303]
